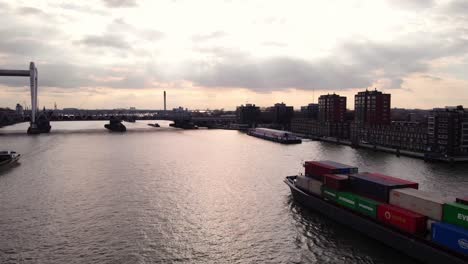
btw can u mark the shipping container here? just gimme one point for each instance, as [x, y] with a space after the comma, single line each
[347, 200]
[376, 187]
[309, 185]
[402, 219]
[367, 206]
[456, 213]
[450, 236]
[422, 202]
[329, 194]
[462, 200]
[343, 168]
[336, 181]
[316, 169]
[429, 225]
[395, 180]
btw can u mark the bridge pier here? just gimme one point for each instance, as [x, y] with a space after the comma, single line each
[184, 124]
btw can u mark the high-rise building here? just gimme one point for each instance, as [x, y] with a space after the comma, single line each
[19, 110]
[332, 108]
[248, 114]
[448, 131]
[372, 108]
[282, 114]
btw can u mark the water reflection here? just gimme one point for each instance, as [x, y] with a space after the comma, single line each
[181, 196]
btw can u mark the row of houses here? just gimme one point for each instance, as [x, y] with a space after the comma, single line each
[443, 131]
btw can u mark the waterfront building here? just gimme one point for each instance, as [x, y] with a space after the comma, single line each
[401, 135]
[372, 108]
[314, 128]
[248, 114]
[310, 111]
[282, 114]
[448, 131]
[332, 108]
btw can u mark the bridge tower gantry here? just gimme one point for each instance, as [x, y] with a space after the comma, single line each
[36, 125]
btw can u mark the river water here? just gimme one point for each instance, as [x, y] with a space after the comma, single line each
[163, 195]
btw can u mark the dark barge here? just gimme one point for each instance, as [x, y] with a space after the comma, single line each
[279, 136]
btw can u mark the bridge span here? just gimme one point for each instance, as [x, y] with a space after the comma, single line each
[40, 120]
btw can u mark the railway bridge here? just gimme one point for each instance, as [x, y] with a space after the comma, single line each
[40, 120]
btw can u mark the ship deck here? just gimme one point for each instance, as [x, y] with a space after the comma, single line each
[416, 247]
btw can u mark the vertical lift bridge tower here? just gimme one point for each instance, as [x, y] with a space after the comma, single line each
[38, 124]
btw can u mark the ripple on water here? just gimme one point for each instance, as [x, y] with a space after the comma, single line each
[207, 196]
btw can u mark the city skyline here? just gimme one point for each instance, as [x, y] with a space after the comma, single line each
[118, 54]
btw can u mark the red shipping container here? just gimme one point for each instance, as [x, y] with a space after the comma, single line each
[463, 200]
[316, 169]
[335, 181]
[395, 180]
[402, 219]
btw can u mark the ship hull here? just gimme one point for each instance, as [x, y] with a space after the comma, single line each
[412, 246]
[279, 140]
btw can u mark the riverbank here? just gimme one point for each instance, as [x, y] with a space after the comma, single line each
[397, 152]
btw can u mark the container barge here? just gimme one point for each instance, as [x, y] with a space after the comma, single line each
[279, 136]
[426, 226]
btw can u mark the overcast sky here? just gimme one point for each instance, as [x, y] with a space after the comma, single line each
[219, 54]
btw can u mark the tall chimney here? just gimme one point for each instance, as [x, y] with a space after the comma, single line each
[164, 100]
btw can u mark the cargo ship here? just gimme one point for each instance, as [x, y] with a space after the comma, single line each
[426, 226]
[280, 136]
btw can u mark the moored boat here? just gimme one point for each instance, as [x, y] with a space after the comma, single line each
[8, 157]
[154, 125]
[279, 136]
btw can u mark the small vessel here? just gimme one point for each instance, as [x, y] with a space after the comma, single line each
[115, 125]
[391, 210]
[279, 136]
[8, 157]
[154, 125]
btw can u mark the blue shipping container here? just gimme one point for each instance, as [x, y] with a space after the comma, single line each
[367, 185]
[450, 236]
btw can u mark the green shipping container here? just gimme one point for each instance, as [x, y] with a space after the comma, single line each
[347, 199]
[329, 194]
[456, 213]
[367, 206]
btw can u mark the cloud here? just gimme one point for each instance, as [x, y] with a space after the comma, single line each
[119, 25]
[23, 47]
[457, 7]
[4, 6]
[279, 73]
[26, 40]
[81, 8]
[274, 44]
[355, 64]
[120, 3]
[29, 11]
[209, 36]
[411, 4]
[106, 41]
